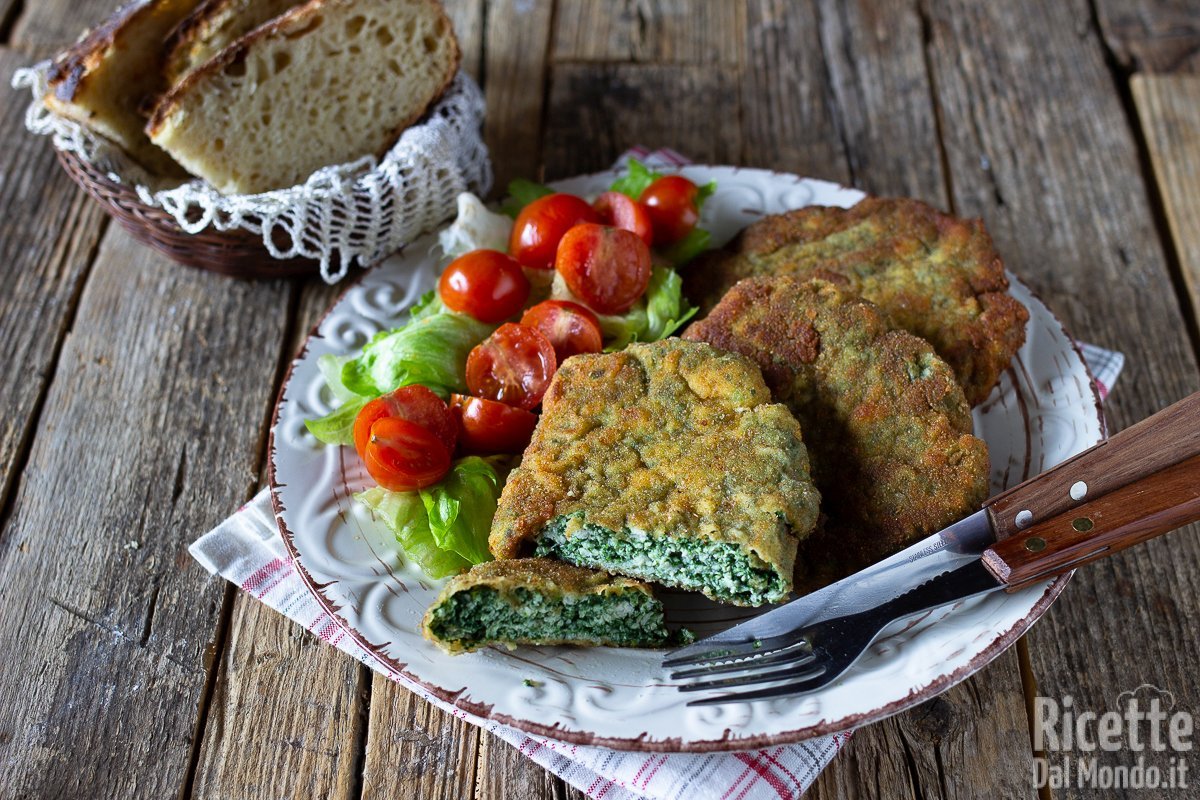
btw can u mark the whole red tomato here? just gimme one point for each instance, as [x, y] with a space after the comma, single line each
[541, 225]
[671, 203]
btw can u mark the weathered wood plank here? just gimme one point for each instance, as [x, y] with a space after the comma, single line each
[46, 26]
[518, 36]
[1060, 188]
[652, 31]
[48, 234]
[467, 16]
[147, 436]
[286, 716]
[306, 741]
[787, 117]
[415, 750]
[597, 111]
[1169, 109]
[1152, 35]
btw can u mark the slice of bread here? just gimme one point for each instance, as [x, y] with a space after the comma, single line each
[213, 26]
[110, 75]
[328, 82]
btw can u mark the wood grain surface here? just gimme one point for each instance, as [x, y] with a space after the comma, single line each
[138, 394]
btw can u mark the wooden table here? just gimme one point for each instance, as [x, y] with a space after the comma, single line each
[136, 394]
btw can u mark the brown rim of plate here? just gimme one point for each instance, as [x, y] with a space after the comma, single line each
[642, 742]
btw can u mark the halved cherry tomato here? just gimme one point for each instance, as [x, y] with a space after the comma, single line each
[514, 365]
[622, 211]
[489, 427]
[402, 456]
[485, 284]
[570, 327]
[671, 203]
[541, 225]
[608, 268]
[415, 404]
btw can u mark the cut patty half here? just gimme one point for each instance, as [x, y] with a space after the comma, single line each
[936, 276]
[540, 601]
[887, 427]
[665, 462]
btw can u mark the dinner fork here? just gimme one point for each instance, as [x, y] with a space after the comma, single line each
[1144, 482]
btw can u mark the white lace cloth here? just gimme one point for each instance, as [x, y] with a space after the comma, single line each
[345, 214]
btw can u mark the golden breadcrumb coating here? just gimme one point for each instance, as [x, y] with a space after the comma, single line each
[887, 426]
[935, 275]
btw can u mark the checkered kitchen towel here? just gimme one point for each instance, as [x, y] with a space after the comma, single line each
[247, 549]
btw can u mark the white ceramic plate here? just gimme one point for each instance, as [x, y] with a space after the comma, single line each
[1043, 411]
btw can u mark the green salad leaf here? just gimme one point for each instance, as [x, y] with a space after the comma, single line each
[687, 248]
[461, 508]
[521, 193]
[431, 350]
[661, 312]
[444, 527]
[636, 180]
[404, 514]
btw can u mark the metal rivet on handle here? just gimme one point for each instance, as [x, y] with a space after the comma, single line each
[1083, 525]
[1078, 490]
[1024, 518]
[1035, 544]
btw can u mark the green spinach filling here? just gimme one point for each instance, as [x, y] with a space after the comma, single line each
[483, 614]
[719, 569]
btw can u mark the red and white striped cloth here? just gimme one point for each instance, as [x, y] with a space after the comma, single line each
[247, 549]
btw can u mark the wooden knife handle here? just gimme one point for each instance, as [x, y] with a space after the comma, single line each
[1167, 438]
[1148, 507]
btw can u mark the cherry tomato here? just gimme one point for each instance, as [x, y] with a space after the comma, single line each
[541, 225]
[570, 327]
[402, 456]
[415, 404]
[622, 211]
[671, 203]
[489, 427]
[486, 284]
[514, 365]
[608, 268]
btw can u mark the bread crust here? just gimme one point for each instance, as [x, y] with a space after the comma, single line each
[290, 22]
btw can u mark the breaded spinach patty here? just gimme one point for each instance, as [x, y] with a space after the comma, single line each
[539, 601]
[888, 428]
[935, 275]
[665, 462]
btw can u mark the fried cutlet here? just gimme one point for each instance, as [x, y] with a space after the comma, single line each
[887, 427]
[935, 275]
[666, 462]
[540, 601]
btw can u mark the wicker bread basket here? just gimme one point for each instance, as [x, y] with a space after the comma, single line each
[237, 253]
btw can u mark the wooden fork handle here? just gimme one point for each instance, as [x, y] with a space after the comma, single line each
[1162, 440]
[1148, 507]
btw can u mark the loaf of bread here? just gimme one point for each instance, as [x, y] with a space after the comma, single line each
[213, 26]
[105, 80]
[327, 82]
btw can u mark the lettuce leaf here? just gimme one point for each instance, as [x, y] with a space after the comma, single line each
[404, 514]
[431, 350]
[636, 179]
[337, 427]
[521, 193]
[661, 312]
[461, 508]
[443, 528]
[687, 248]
